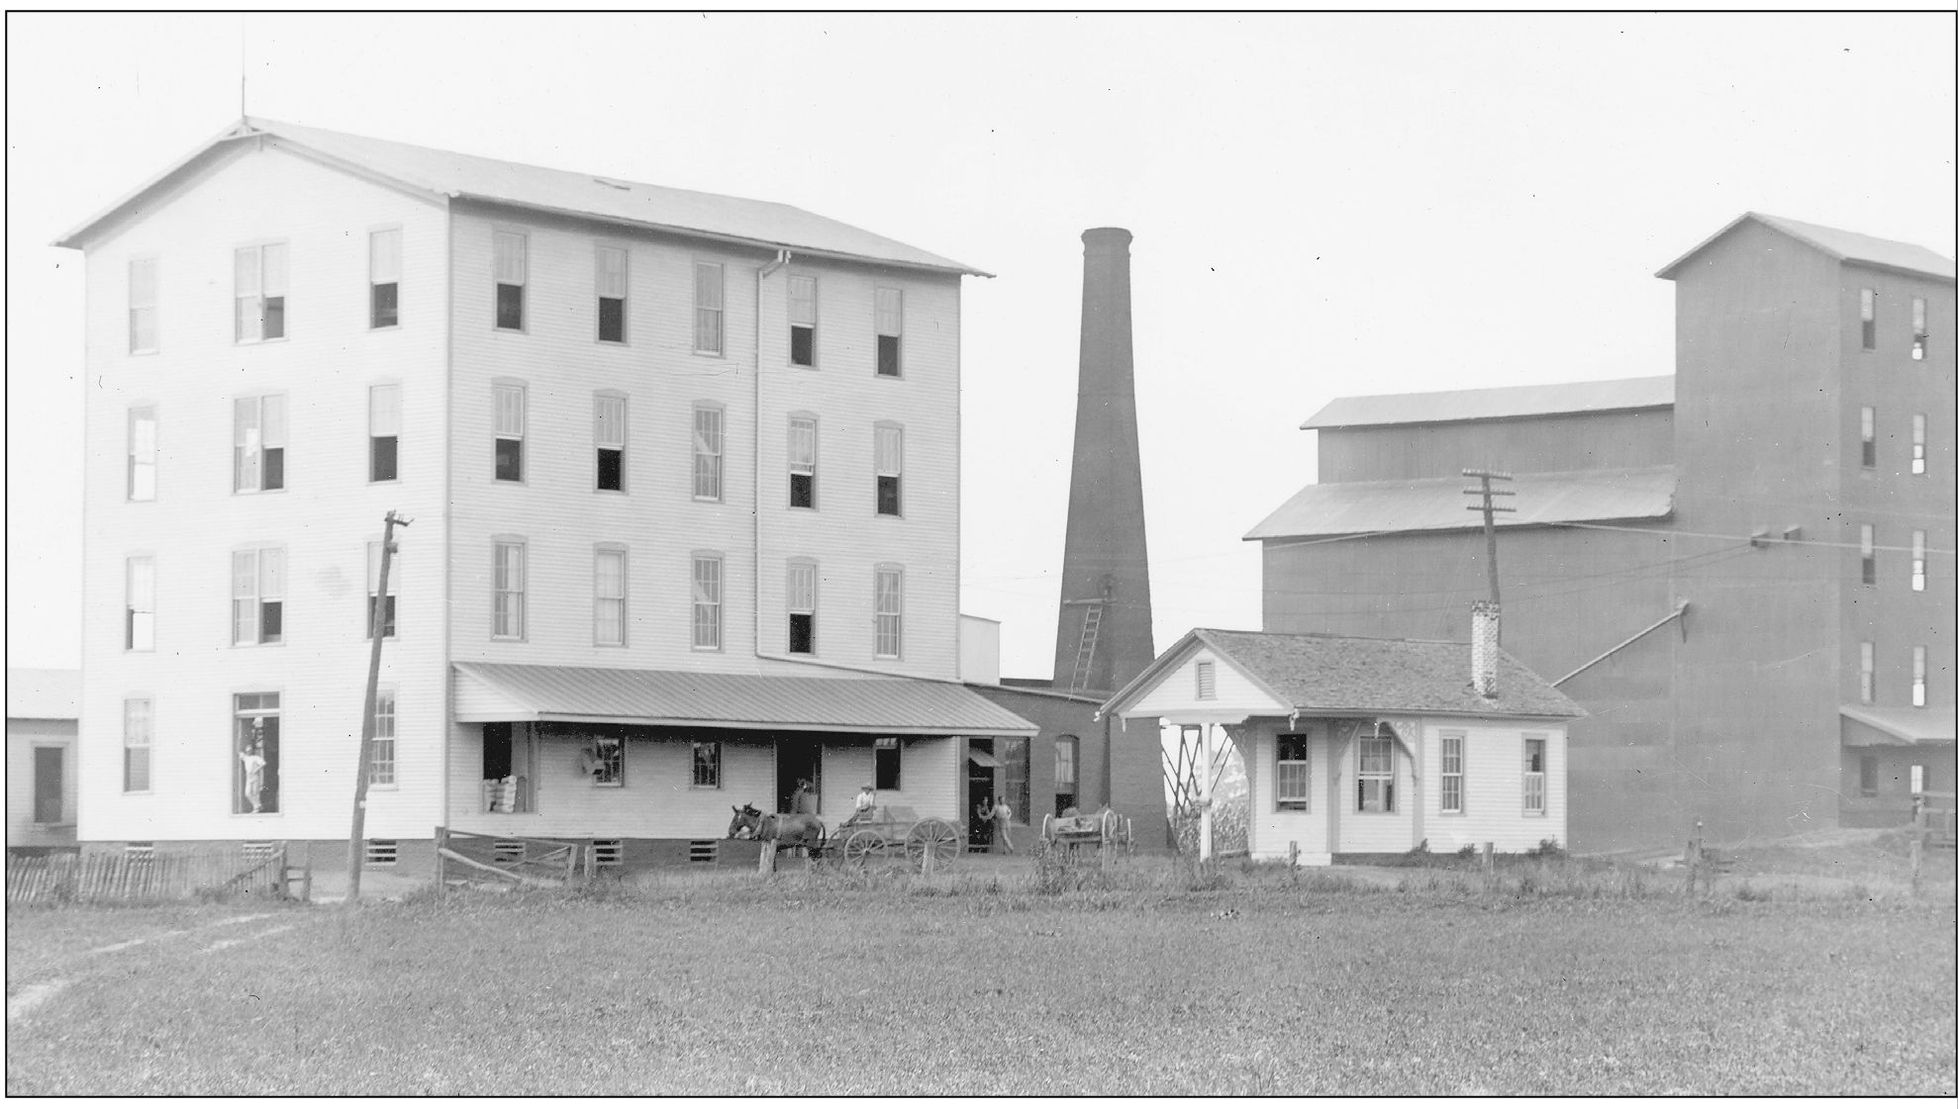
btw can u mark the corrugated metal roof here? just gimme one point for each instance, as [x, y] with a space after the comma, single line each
[1844, 246]
[1438, 504]
[1495, 404]
[894, 706]
[1885, 726]
[44, 694]
[1340, 674]
[448, 173]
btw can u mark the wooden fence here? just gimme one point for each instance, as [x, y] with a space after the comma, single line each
[515, 859]
[160, 876]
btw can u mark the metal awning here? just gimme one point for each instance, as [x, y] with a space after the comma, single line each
[1870, 726]
[492, 692]
[980, 758]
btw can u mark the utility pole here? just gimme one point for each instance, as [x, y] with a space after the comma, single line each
[376, 626]
[1489, 508]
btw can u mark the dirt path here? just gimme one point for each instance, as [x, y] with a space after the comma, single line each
[23, 1001]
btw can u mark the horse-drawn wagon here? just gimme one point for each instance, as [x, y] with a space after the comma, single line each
[1104, 830]
[883, 831]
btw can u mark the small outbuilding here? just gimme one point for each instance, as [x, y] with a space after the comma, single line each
[1357, 746]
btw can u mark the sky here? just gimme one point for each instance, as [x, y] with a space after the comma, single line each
[1322, 206]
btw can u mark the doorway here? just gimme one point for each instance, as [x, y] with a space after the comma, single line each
[47, 784]
[794, 762]
[980, 768]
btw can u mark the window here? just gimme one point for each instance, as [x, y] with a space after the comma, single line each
[507, 589]
[604, 760]
[380, 758]
[802, 320]
[802, 461]
[142, 305]
[1206, 681]
[1294, 774]
[890, 332]
[1866, 686]
[258, 591]
[1917, 561]
[1869, 437]
[707, 602]
[706, 764]
[1867, 775]
[1869, 319]
[1916, 779]
[1920, 335]
[707, 307]
[258, 443]
[890, 764]
[1917, 443]
[508, 399]
[611, 294]
[1917, 677]
[259, 291]
[1451, 772]
[1015, 755]
[1869, 554]
[142, 454]
[608, 610]
[1376, 779]
[1067, 774]
[512, 269]
[890, 612]
[255, 753]
[136, 727]
[389, 609]
[707, 420]
[802, 608]
[384, 278]
[890, 470]
[1533, 770]
[139, 605]
[383, 432]
[608, 439]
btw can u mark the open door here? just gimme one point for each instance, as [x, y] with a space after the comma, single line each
[797, 761]
[47, 784]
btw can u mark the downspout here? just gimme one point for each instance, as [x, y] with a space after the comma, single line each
[782, 257]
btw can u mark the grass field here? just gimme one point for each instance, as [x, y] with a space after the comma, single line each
[1155, 984]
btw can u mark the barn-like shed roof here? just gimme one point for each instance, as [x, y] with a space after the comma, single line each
[1844, 246]
[1503, 402]
[1438, 504]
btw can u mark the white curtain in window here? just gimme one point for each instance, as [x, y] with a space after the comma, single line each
[275, 269]
[509, 411]
[274, 417]
[244, 272]
[802, 301]
[510, 267]
[890, 312]
[802, 445]
[384, 410]
[272, 573]
[890, 451]
[802, 587]
[384, 257]
[608, 417]
[611, 272]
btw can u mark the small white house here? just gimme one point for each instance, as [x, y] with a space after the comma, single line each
[1360, 746]
[41, 756]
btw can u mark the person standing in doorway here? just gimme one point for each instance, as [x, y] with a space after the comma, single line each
[253, 759]
[1001, 814]
[804, 800]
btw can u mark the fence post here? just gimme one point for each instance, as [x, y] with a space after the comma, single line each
[1292, 858]
[767, 864]
[1917, 826]
[1694, 860]
[441, 871]
[1488, 856]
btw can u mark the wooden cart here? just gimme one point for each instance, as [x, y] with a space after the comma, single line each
[1106, 830]
[894, 831]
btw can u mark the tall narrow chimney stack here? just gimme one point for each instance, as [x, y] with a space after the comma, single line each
[1485, 638]
[1105, 634]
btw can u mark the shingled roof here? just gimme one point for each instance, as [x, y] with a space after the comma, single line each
[1336, 675]
[424, 170]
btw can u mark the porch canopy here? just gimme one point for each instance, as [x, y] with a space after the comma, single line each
[488, 692]
[1870, 726]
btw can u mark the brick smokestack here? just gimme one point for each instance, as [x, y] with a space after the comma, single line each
[1105, 571]
[1485, 639]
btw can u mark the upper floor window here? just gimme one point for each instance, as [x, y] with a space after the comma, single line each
[802, 461]
[802, 607]
[258, 443]
[384, 278]
[608, 611]
[142, 453]
[802, 320]
[707, 421]
[380, 757]
[1917, 562]
[142, 305]
[611, 294]
[509, 402]
[1868, 545]
[889, 637]
[1920, 334]
[1451, 772]
[1869, 437]
[259, 284]
[511, 250]
[507, 569]
[1294, 774]
[258, 594]
[383, 432]
[890, 332]
[1868, 316]
[1917, 677]
[890, 470]
[388, 607]
[707, 602]
[1917, 443]
[608, 440]
[139, 605]
[1866, 672]
[707, 308]
[1535, 752]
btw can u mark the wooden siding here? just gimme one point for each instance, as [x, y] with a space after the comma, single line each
[1174, 695]
[24, 737]
[324, 518]
[1492, 789]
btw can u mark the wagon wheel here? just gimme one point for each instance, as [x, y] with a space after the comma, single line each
[862, 844]
[940, 836]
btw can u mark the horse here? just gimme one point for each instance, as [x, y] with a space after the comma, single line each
[786, 829]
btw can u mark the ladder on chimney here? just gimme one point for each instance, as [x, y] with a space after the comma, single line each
[1084, 658]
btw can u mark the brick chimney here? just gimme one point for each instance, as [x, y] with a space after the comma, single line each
[1485, 639]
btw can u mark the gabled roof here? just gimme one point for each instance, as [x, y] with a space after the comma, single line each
[1843, 246]
[1335, 675]
[1438, 504]
[444, 173]
[488, 691]
[1504, 402]
[44, 694]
